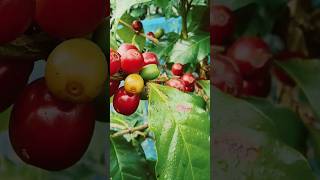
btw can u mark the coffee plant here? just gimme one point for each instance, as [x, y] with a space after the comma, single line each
[159, 90]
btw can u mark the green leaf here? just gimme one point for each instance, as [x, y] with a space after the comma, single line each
[182, 132]
[193, 50]
[127, 35]
[164, 47]
[123, 6]
[289, 126]
[306, 73]
[125, 162]
[246, 144]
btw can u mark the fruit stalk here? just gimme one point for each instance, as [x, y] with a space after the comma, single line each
[130, 130]
[154, 40]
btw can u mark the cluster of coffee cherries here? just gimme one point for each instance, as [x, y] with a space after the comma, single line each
[137, 26]
[137, 68]
[245, 67]
[183, 81]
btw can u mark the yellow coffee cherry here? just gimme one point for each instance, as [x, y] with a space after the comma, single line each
[134, 84]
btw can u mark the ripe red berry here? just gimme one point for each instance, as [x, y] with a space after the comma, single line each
[47, 132]
[137, 25]
[113, 86]
[189, 88]
[188, 79]
[226, 75]
[15, 18]
[176, 83]
[131, 61]
[125, 47]
[222, 25]
[115, 62]
[67, 18]
[151, 34]
[259, 87]
[251, 54]
[177, 69]
[125, 103]
[150, 58]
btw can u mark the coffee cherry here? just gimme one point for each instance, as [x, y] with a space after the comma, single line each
[125, 103]
[150, 58]
[131, 61]
[69, 18]
[115, 62]
[177, 69]
[134, 84]
[225, 75]
[150, 72]
[251, 54]
[189, 88]
[125, 47]
[222, 25]
[176, 83]
[15, 18]
[259, 87]
[113, 86]
[188, 79]
[137, 25]
[49, 133]
[159, 33]
[151, 34]
[76, 71]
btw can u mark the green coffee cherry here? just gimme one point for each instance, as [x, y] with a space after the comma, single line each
[150, 72]
[159, 33]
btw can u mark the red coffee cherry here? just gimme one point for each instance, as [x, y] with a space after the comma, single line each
[125, 47]
[251, 54]
[189, 88]
[176, 83]
[222, 25]
[225, 75]
[49, 133]
[151, 34]
[188, 79]
[150, 58]
[177, 69]
[115, 62]
[132, 61]
[259, 87]
[125, 103]
[137, 25]
[15, 18]
[69, 18]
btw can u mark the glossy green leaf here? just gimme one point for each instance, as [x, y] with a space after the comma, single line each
[246, 144]
[123, 6]
[125, 162]
[289, 126]
[196, 48]
[182, 132]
